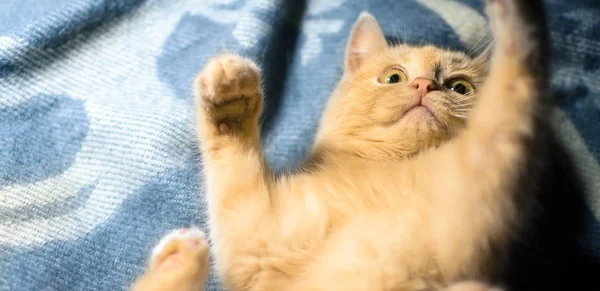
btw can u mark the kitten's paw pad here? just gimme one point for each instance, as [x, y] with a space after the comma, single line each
[229, 92]
[181, 247]
[227, 78]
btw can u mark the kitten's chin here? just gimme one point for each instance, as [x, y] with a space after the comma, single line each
[420, 114]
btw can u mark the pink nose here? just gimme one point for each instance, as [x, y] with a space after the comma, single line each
[424, 86]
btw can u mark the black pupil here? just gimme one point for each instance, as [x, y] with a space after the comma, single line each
[459, 88]
[395, 78]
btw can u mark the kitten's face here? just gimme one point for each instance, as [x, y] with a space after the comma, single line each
[396, 101]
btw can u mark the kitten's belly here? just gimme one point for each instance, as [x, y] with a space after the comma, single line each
[380, 252]
[378, 231]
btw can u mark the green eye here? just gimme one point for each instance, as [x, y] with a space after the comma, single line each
[460, 86]
[392, 76]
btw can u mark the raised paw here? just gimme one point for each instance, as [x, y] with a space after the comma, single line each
[228, 92]
[519, 28]
[178, 262]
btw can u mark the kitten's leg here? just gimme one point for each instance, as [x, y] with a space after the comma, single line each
[478, 178]
[178, 262]
[229, 102]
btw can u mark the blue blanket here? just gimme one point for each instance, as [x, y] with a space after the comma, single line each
[98, 156]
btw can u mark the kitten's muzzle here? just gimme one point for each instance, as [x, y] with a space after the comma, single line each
[424, 86]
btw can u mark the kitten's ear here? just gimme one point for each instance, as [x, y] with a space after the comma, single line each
[366, 38]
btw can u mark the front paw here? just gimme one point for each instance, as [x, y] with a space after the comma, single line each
[228, 92]
[519, 27]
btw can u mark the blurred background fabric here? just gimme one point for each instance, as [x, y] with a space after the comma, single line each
[98, 155]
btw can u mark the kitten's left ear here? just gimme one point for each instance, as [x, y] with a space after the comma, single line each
[366, 38]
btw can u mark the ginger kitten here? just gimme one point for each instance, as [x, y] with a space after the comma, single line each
[401, 192]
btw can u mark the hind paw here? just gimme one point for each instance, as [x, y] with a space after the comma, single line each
[178, 262]
[181, 247]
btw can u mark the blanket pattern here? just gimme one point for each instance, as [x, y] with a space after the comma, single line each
[98, 156]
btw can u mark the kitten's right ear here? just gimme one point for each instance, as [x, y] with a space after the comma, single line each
[366, 38]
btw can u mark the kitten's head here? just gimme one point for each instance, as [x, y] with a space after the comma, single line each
[394, 101]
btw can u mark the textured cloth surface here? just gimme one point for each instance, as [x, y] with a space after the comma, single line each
[97, 145]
